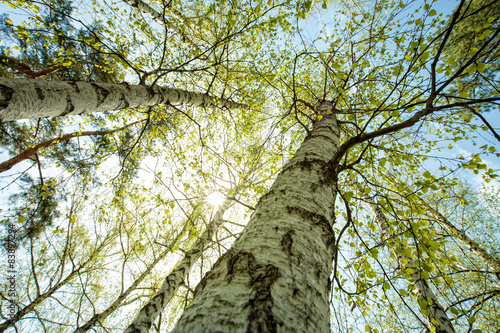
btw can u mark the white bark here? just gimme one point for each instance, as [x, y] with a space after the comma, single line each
[436, 315]
[151, 12]
[275, 277]
[149, 312]
[30, 98]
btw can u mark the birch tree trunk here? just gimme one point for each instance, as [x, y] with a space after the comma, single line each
[479, 251]
[29, 98]
[151, 12]
[101, 317]
[434, 312]
[150, 312]
[275, 277]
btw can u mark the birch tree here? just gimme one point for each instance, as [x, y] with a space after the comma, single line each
[24, 98]
[429, 304]
[375, 88]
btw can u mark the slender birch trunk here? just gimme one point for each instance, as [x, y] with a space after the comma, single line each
[29, 98]
[480, 252]
[150, 312]
[42, 297]
[101, 317]
[151, 12]
[436, 315]
[275, 277]
[491, 261]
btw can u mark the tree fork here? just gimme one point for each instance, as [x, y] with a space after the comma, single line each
[29, 98]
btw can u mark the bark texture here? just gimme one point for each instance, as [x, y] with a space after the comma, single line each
[436, 315]
[275, 277]
[29, 98]
[150, 312]
[151, 12]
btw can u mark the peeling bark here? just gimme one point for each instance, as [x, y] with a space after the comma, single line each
[29, 98]
[275, 277]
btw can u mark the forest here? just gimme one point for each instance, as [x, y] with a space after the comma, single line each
[250, 166]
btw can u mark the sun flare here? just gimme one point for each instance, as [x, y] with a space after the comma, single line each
[215, 199]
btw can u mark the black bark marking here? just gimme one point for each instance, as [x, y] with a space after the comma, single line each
[69, 107]
[39, 93]
[305, 164]
[210, 273]
[180, 100]
[75, 86]
[262, 277]
[125, 103]
[261, 318]
[152, 307]
[152, 92]
[101, 93]
[327, 234]
[287, 242]
[5, 95]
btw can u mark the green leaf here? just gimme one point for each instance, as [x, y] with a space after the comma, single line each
[382, 162]
[432, 12]
[21, 219]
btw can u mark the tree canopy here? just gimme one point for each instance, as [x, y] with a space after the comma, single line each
[175, 119]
